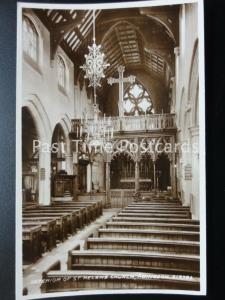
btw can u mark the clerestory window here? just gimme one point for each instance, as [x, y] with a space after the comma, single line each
[61, 72]
[30, 39]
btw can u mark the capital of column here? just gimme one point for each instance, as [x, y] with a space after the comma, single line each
[172, 80]
[177, 51]
[137, 160]
[108, 158]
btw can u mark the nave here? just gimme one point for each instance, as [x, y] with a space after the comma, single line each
[110, 177]
[150, 244]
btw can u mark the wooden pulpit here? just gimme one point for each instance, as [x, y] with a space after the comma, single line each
[63, 185]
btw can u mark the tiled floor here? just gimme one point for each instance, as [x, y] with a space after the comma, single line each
[33, 273]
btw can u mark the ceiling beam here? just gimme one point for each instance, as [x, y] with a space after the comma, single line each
[60, 30]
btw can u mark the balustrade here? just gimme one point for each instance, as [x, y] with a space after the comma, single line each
[141, 123]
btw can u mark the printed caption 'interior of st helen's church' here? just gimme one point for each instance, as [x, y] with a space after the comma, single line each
[110, 186]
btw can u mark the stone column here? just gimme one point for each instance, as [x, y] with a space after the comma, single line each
[68, 157]
[75, 172]
[173, 94]
[69, 164]
[61, 165]
[136, 176]
[154, 176]
[89, 179]
[44, 178]
[136, 161]
[107, 183]
[177, 67]
[172, 160]
[195, 161]
[75, 182]
[172, 177]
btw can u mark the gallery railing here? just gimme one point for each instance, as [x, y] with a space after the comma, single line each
[146, 122]
[138, 123]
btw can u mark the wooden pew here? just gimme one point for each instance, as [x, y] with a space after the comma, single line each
[157, 201]
[48, 230]
[148, 245]
[61, 281]
[150, 206]
[92, 210]
[182, 214]
[149, 234]
[74, 215]
[96, 206]
[154, 220]
[153, 215]
[58, 220]
[166, 246]
[85, 210]
[98, 203]
[79, 215]
[133, 261]
[157, 226]
[61, 219]
[31, 242]
[86, 213]
[160, 208]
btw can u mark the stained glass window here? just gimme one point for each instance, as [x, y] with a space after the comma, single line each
[137, 101]
[30, 39]
[61, 72]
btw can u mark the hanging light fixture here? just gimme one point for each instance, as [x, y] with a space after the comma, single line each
[95, 63]
[98, 130]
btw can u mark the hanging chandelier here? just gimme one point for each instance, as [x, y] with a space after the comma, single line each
[95, 63]
[98, 130]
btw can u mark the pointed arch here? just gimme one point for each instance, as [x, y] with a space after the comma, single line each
[65, 122]
[40, 116]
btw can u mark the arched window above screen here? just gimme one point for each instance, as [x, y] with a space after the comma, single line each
[137, 101]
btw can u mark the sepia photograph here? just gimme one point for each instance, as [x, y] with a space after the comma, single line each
[110, 149]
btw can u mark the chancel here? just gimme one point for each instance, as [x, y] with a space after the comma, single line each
[117, 92]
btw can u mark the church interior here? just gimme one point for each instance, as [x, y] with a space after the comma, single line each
[109, 201]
